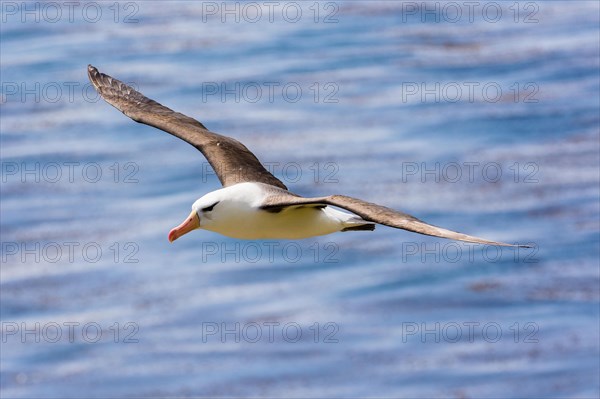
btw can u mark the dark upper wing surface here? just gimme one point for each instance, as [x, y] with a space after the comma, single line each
[232, 161]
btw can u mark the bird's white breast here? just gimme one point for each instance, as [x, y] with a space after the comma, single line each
[238, 215]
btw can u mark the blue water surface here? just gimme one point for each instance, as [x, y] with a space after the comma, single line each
[487, 125]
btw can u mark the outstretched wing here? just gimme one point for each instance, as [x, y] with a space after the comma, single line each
[279, 200]
[232, 161]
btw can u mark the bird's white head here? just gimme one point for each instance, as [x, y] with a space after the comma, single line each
[201, 216]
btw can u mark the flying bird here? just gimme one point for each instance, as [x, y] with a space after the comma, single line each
[254, 204]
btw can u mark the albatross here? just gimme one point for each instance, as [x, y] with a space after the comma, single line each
[254, 204]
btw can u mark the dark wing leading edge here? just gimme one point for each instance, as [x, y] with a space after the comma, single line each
[232, 161]
[280, 200]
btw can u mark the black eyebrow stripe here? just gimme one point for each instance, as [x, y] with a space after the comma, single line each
[210, 208]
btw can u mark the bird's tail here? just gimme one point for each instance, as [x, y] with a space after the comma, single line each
[366, 226]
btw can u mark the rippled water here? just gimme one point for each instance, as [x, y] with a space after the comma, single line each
[487, 125]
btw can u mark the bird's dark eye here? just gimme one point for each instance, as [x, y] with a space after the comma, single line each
[210, 208]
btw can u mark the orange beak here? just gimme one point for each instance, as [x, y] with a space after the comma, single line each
[191, 223]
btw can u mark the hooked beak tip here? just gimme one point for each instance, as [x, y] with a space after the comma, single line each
[191, 223]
